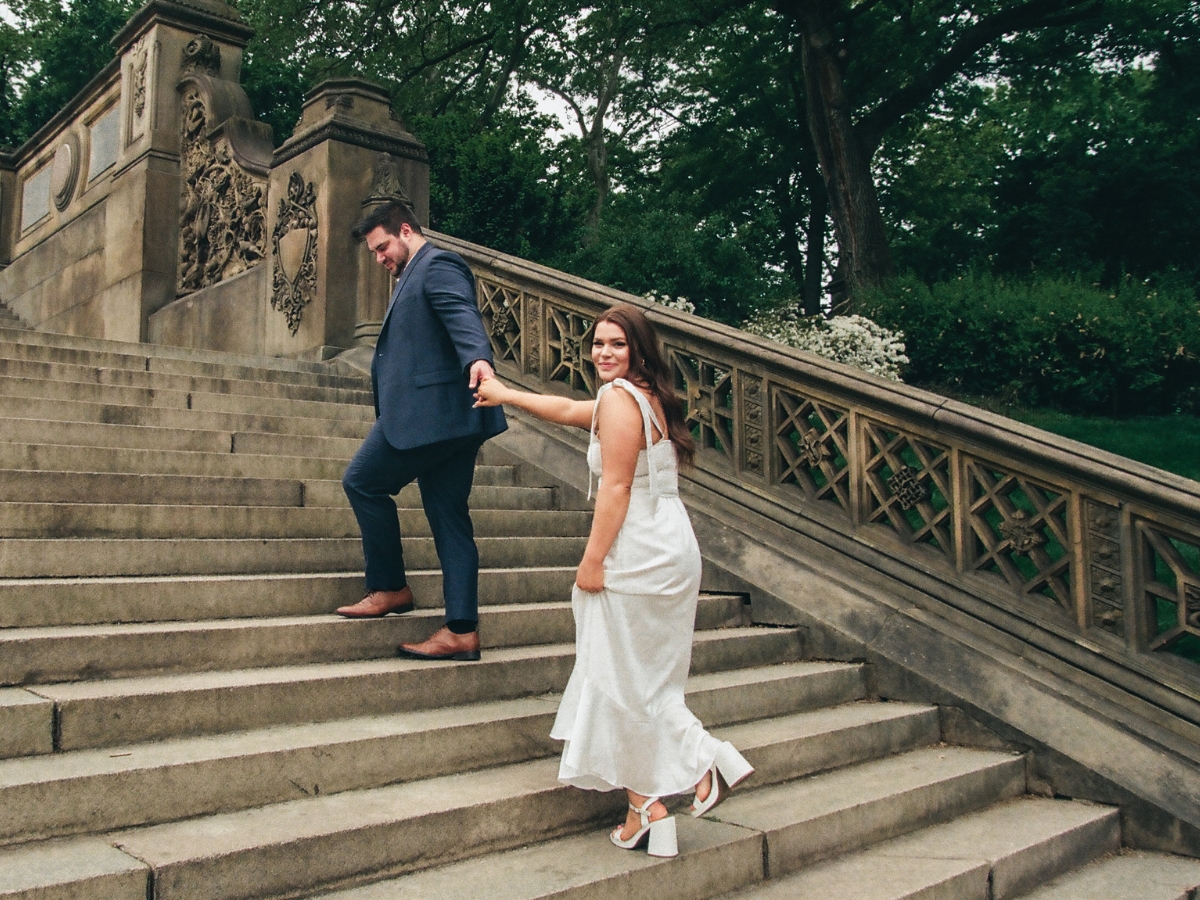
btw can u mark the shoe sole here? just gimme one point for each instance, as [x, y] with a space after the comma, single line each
[464, 656]
[399, 610]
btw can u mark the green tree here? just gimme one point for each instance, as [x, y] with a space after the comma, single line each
[868, 67]
[741, 152]
[51, 54]
[1085, 172]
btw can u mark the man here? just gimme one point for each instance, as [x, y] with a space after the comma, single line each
[432, 352]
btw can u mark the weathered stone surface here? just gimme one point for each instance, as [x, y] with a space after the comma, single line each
[26, 722]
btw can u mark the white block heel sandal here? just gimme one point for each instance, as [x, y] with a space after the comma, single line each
[730, 767]
[660, 834]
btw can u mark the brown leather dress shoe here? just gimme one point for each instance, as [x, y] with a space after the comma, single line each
[444, 644]
[379, 603]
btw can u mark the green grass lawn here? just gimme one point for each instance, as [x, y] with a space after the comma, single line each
[1167, 442]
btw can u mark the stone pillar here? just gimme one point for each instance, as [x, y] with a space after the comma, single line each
[8, 207]
[325, 292]
[141, 238]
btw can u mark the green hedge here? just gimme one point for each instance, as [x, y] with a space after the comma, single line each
[1050, 342]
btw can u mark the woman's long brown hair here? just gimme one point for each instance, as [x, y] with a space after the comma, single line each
[648, 368]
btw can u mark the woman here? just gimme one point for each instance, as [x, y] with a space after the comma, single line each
[623, 715]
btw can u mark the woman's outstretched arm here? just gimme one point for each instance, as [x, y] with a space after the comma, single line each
[619, 428]
[560, 410]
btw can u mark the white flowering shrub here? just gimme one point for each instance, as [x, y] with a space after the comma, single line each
[854, 340]
[683, 304]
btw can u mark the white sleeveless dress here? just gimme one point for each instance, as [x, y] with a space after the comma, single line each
[623, 715]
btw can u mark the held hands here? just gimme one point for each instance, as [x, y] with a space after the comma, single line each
[481, 370]
[490, 391]
[590, 576]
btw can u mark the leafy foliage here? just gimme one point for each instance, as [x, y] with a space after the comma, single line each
[1042, 180]
[1051, 342]
[496, 187]
[52, 52]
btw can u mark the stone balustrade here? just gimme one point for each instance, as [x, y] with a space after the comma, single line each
[1072, 551]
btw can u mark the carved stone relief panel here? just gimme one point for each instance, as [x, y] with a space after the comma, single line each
[1105, 583]
[139, 89]
[222, 225]
[202, 55]
[533, 334]
[385, 181]
[753, 419]
[294, 242]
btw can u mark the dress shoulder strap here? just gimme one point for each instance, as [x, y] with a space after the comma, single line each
[647, 417]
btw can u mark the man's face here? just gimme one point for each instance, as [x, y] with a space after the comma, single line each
[391, 250]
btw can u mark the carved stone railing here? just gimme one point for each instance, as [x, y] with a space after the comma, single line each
[1090, 556]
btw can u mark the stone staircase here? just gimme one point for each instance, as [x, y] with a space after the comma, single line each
[183, 717]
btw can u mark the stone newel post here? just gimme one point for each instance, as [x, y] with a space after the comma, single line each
[141, 243]
[325, 292]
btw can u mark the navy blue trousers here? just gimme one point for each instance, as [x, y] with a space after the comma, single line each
[443, 472]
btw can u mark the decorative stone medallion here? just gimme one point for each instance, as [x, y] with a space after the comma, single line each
[1020, 533]
[64, 172]
[907, 488]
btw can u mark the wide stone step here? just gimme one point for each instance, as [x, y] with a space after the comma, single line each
[848, 809]
[77, 652]
[54, 401]
[41, 602]
[35, 378]
[483, 496]
[1130, 876]
[157, 357]
[35, 486]
[27, 520]
[102, 557]
[121, 711]
[79, 868]
[298, 846]
[27, 485]
[714, 859]
[314, 435]
[998, 853]
[39, 431]
[104, 434]
[96, 790]
[74, 458]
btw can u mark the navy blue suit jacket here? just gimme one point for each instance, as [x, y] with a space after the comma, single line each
[431, 333]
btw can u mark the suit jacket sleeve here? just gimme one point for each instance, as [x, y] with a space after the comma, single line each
[450, 289]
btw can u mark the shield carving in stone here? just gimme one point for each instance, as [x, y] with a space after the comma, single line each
[294, 241]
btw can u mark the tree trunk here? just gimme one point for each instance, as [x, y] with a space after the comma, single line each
[846, 168]
[814, 263]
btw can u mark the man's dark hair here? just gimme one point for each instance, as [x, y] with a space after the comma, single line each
[391, 215]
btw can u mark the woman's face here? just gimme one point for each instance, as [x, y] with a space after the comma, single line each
[610, 351]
